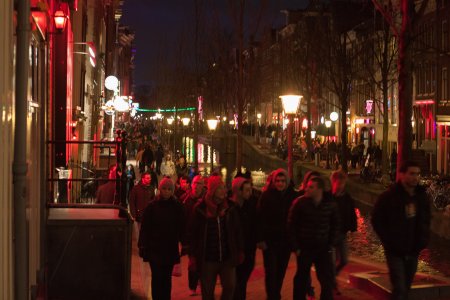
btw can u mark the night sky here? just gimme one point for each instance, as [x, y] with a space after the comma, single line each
[160, 23]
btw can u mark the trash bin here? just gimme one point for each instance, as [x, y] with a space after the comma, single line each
[317, 159]
[88, 252]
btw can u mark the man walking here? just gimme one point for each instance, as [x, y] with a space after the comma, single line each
[141, 195]
[401, 218]
[313, 227]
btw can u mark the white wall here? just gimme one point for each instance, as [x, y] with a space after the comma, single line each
[6, 148]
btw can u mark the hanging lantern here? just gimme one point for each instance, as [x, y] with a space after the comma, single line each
[60, 19]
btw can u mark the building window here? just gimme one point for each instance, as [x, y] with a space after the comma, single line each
[444, 41]
[444, 84]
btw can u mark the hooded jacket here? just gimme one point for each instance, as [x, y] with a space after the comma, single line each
[273, 209]
[201, 231]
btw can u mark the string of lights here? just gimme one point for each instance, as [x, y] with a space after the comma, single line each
[160, 110]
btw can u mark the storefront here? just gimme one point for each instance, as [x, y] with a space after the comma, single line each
[443, 144]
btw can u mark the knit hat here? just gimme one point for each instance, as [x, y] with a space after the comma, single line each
[166, 182]
[237, 184]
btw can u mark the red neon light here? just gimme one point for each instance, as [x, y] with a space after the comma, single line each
[424, 102]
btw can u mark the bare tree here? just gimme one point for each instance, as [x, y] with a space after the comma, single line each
[411, 13]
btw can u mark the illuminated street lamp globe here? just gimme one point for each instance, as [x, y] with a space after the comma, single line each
[290, 103]
[327, 123]
[212, 124]
[120, 104]
[170, 121]
[186, 121]
[334, 116]
[111, 83]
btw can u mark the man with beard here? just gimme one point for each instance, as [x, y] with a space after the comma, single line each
[141, 195]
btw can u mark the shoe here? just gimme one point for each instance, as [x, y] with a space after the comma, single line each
[193, 293]
[311, 292]
[337, 292]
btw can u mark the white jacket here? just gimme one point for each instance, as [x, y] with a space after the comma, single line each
[167, 168]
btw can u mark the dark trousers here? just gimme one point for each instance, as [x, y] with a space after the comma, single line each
[321, 258]
[161, 281]
[243, 272]
[401, 272]
[276, 259]
[341, 253]
[209, 273]
[193, 278]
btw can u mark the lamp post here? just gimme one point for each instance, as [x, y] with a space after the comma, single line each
[170, 122]
[212, 125]
[328, 125]
[186, 122]
[290, 106]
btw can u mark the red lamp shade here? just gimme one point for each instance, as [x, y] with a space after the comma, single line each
[60, 20]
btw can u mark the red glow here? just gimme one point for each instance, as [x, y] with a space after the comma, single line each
[424, 102]
[40, 20]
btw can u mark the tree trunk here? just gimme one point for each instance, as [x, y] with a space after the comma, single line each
[404, 88]
[344, 107]
[240, 88]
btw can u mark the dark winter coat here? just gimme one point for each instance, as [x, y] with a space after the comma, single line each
[163, 227]
[203, 228]
[106, 192]
[248, 213]
[311, 226]
[273, 209]
[400, 234]
[140, 197]
[346, 210]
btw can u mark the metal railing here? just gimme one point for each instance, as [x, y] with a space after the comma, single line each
[79, 180]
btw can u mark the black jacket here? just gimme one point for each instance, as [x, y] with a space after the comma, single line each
[400, 233]
[311, 226]
[198, 234]
[346, 210]
[247, 213]
[162, 228]
[273, 209]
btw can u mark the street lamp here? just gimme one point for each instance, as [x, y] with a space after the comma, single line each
[212, 125]
[290, 106]
[185, 122]
[328, 125]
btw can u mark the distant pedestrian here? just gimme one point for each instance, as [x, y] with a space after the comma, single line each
[182, 186]
[273, 208]
[159, 155]
[313, 226]
[347, 217]
[401, 218]
[147, 157]
[162, 229]
[106, 192]
[168, 167]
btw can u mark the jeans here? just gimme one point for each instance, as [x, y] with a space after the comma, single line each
[341, 253]
[243, 272]
[208, 278]
[193, 278]
[401, 272]
[276, 259]
[161, 281]
[321, 258]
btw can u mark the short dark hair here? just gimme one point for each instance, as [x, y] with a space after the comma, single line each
[408, 164]
[338, 175]
[320, 182]
[184, 177]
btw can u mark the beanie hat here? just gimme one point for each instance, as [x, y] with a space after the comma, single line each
[237, 184]
[166, 182]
